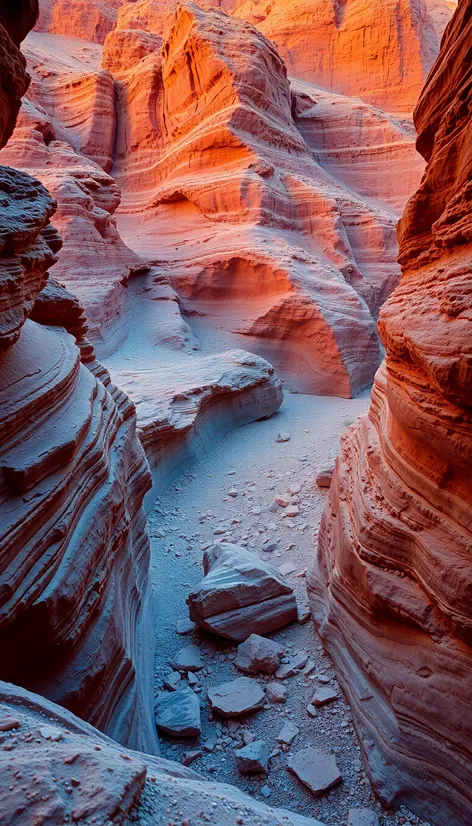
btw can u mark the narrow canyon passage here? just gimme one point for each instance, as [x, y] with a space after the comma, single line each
[196, 510]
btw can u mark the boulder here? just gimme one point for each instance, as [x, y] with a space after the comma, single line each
[258, 654]
[240, 594]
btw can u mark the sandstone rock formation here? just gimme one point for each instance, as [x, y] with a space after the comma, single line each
[221, 175]
[184, 407]
[74, 561]
[57, 769]
[390, 586]
[88, 19]
[379, 50]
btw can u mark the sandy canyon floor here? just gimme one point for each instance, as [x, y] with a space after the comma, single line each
[193, 512]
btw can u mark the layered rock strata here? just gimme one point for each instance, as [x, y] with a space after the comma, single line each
[381, 50]
[74, 602]
[184, 407]
[218, 171]
[390, 586]
[94, 262]
[55, 768]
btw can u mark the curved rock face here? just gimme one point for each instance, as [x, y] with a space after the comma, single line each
[254, 231]
[81, 776]
[390, 588]
[379, 50]
[74, 560]
[65, 136]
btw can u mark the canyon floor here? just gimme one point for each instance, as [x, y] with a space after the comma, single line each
[194, 511]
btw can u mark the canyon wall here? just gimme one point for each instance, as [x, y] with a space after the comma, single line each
[390, 587]
[74, 598]
[219, 187]
[380, 50]
[223, 204]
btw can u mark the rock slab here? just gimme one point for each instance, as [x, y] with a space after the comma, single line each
[240, 594]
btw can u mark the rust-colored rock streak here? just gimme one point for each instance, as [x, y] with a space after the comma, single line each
[379, 50]
[391, 584]
[74, 548]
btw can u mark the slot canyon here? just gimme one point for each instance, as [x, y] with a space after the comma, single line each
[236, 413]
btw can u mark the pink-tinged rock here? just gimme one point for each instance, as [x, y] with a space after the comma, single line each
[240, 594]
[84, 778]
[74, 603]
[88, 19]
[273, 235]
[316, 769]
[182, 408]
[380, 50]
[390, 585]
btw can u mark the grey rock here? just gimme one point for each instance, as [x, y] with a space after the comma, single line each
[241, 696]
[190, 756]
[303, 614]
[258, 654]
[324, 695]
[294, 666]
[253, 758]
[282, 437]
[362, 817]
[178, 713]
[172, 681]
[276, 693]
[187, 659]
[288, 733]
[240, 594]
[316, 769]
[184, 626]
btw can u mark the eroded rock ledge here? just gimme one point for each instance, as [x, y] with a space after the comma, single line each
[390, 586]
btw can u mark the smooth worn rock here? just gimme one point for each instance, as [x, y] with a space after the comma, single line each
[178, 713]
[187, 659]
[240, 594]
[239, 697]
[86, 778]
[362, 817]
[184, 626]
[316, 769]
[75, 613]
[390, 585]
[258, 654]
[253, 758]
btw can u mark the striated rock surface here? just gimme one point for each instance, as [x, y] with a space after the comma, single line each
[94, 262]
[390, 586]
[74, 563]
[240, 594]
[255, 234]
[88, 19]
[57, 769]
[183, 407]
[381, 50]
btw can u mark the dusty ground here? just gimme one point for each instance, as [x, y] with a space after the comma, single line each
[196, 510]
